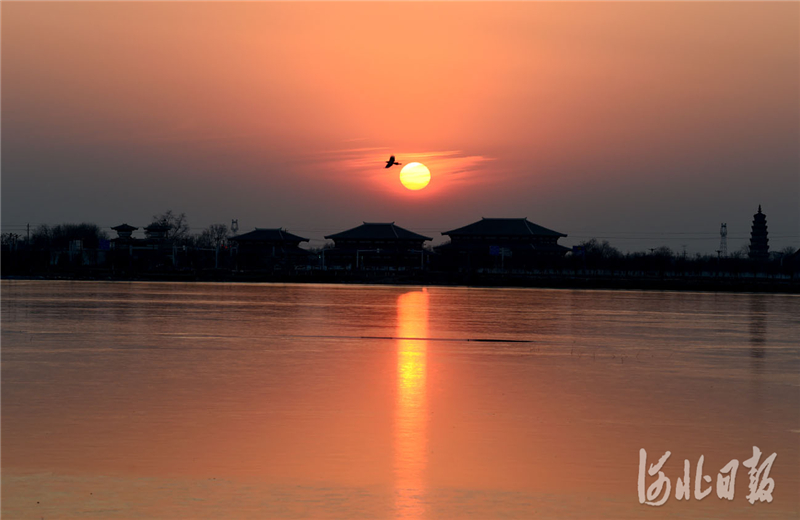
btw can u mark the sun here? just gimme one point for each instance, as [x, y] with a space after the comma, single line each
[415, 176]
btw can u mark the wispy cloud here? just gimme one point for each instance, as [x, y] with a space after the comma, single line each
[447, 163]
[351, 151]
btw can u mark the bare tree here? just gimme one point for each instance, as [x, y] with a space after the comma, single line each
[663, 251]
[10, 240]
[324, 247]
[215, 236]
[178, 224]
[745, 250]
[42, 236]
[61, 235]
[600, 250]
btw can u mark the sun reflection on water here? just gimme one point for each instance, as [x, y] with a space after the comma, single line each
[411, 409]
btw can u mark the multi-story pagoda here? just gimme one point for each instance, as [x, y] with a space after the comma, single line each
[759, 243]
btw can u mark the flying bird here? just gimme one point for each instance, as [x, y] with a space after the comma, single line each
[392, 162]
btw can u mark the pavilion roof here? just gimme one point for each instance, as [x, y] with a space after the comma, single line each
[268, 235]
[378, 231]
[503, 227]
[124, 227]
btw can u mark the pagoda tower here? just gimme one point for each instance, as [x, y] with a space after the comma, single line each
[759, 243]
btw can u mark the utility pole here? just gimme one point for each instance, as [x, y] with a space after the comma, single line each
[29, 234]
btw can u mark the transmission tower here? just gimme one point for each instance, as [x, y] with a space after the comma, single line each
[723, 239]
[234, 225]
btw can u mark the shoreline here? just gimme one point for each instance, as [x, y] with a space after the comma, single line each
[478, 280]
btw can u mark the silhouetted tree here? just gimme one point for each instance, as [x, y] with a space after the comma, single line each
[10, 240]
[214, 236]
[786, 251]
[59, 237]
[599, 255]
[324, 247]
[178, 224]
[41, 237]
[48, 243]
[663, 252]
[596, 250]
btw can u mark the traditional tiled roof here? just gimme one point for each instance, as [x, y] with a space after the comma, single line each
[155, 226]
[268, 235]
[378, 231]
[487, 227]
[124, 227]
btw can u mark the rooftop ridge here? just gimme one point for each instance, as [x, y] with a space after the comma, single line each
[379, 230]
[489, 226]
[282, 234]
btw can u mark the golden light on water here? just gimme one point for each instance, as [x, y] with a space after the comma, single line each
[415, 176]
[412, 405]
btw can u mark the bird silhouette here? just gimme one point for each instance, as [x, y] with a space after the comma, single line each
[392, 162]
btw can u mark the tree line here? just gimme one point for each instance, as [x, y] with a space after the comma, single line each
[590, 254]
[60, 236]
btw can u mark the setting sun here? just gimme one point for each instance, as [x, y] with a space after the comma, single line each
[415, 176]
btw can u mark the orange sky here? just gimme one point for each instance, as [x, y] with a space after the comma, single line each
[590, 118]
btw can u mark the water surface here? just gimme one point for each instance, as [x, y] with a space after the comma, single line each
[171, 400]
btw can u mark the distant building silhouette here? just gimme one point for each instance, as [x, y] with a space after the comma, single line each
[157, 231]
[269, 248]
[377, 245]
[124, 231]
[129, 253]
[501, 242]
[759, 243]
